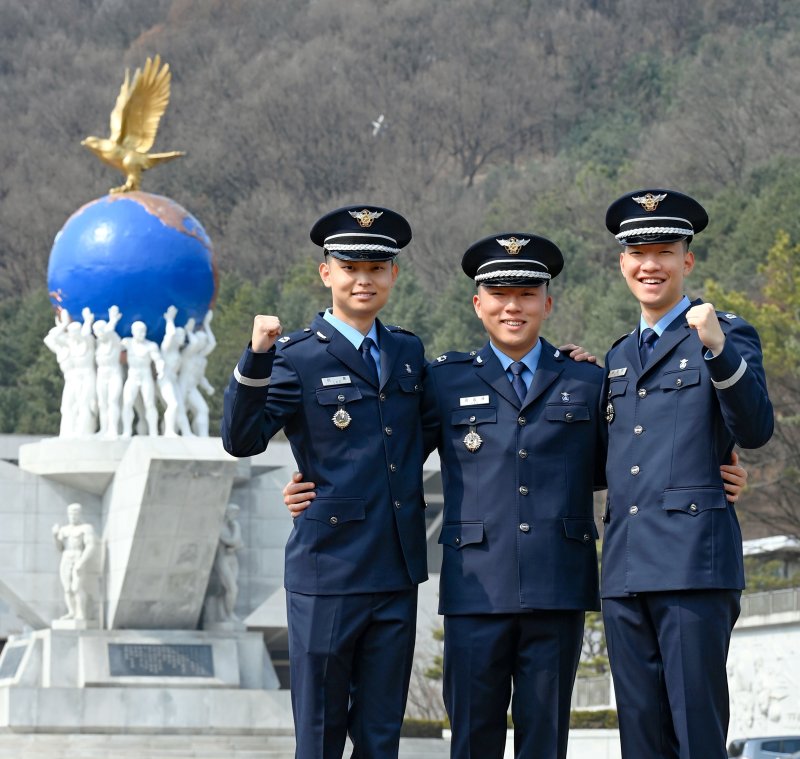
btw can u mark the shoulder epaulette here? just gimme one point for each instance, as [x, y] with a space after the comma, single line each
[395, 328]
[453, 357]
[620, 339]
[727, 316]
[293, 338]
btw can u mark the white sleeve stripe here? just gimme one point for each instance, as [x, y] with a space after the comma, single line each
[247, 381]
[734, 379]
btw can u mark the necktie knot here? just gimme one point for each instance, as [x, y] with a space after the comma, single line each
[516, 368]
[647, 344]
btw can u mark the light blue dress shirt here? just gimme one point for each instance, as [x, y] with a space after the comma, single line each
[355, 337]
[530, 360]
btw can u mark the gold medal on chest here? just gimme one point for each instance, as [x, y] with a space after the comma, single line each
[610, 412]
[341, 419]
[472, 440]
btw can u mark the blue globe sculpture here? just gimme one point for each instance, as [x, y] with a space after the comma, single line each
[139, 251]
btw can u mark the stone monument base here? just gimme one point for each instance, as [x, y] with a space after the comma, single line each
[141, 681]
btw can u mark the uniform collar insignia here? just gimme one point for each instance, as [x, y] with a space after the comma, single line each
[321, 336]
[649, 201]
[565, 397]
[683, 363]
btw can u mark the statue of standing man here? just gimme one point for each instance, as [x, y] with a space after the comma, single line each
[77, 542]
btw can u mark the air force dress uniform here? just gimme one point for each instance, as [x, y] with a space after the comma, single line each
[519, 560]
[356, 555]
[672, 547]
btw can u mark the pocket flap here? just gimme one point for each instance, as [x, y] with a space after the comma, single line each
[680, 380]
[617, 387]
[566, 412]
[460, 534]
[474, 415]
[332, 396]
[336, 511]
[410, 383]
[580, 528]
[694, 500]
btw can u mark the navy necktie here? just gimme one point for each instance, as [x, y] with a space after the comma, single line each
[647, 344]
[518, 383]
[372, 367]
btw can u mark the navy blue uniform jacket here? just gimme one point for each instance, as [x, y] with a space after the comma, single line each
[518, 530]
[365, 530]
[669, 525]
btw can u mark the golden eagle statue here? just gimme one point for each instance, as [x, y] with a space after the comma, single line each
[134, 123]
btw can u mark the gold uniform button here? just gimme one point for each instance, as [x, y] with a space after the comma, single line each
[642, 392]
[634, 509]
[525, 527]
[635, 470]
[334, 520]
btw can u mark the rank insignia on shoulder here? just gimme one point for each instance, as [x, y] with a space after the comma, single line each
[479, 359]
[284, 339]
[621, 372]
[683, 363]
[441, 358]
[557, 353]
[731, 316]
[565, 397]
[320, 335]
[409, 370]
[610, 412]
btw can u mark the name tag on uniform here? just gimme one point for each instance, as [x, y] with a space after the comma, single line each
[343, 380]
[618, 372]
[474, 400]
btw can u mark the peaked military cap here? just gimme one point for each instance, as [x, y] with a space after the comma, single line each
[362, 233]
[512, 259]
[645, 217]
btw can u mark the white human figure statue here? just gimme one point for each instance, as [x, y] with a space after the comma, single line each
[84, 374]
[77, 542]
[142, 354]
[110, 378]
[193, 373]
[175, 418]
[226, 563]
[224, 586]
[56, 341]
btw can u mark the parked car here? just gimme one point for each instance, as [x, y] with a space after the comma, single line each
[770, 747]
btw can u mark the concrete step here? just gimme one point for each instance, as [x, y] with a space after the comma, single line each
[102, 746]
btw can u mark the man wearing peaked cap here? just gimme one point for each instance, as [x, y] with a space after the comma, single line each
[684, 387]
[519, 443]
[347, 391]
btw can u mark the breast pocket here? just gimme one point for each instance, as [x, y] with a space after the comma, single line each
[333, 396]
[566, 412]
[473, 416]
[617, 388]
[680, 380]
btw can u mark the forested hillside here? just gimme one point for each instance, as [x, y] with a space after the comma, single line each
[530, 115]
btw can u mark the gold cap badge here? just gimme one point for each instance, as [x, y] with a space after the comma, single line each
[649, 201]
[513, 245]
[365, 217]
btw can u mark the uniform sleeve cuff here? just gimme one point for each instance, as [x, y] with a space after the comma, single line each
[254, 369]
[727, 368]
